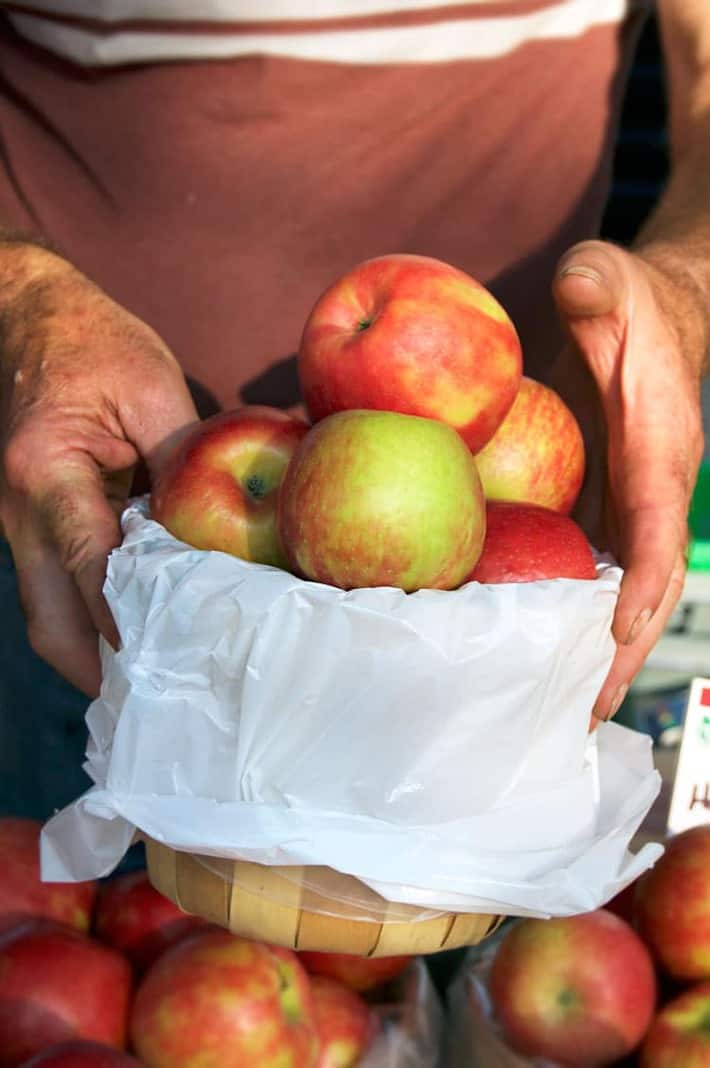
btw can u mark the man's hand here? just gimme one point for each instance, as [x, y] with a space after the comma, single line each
[86, 390]
[641, 338]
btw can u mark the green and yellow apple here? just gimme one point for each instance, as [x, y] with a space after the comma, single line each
[375, 498]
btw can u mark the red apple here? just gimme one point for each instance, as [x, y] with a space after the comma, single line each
[579, 990]
[345, 1023]
[81, 1055]
[382, 499]
[219, 1001]
[536, 454]
[411, 334]
[525, 543]
[679, 1037]
[218, 489]
[22, 893]
[132, 916]
[359, 973]
[672, 905]
[56, 984]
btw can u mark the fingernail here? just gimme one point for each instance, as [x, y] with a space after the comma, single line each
[638, 625]
[616, 701]
[584, 272]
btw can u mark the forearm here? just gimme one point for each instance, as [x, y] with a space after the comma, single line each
[676, 238]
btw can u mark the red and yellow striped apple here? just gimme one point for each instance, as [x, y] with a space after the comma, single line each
[345, 1023]
[221, 1001]
[55, 985]
[526, 543]
[411, 334]
[579, 990]
[359, 973]
[672, 905]
[376, 498]
[218, 489]
[537, 453]
[22, 892]
[679, 1036]
[134, 918]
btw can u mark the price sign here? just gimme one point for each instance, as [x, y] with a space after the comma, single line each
[690, 801]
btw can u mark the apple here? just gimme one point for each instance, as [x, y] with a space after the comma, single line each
[672, 905]
[81, 1055]
[218, 1000]
[22, 892]
[525, 543]
[415, 335]
[218, 488]
[57, 984]
[679, 1036]
[133, 917]
[359, 973]
[537, 453]
[382, 499]
[344, 1022]
[579, 990]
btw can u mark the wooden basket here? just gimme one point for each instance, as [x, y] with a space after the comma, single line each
[280, 905]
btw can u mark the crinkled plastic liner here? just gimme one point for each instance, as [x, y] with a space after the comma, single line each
[433, 745]
[410, 1021]
[473, 1038]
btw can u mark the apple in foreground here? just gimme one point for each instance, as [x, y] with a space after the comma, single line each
[218, 489]
[672, 905]
[81, 1055]
[22, 892]
[133, 917]
[411, 334]
[57, 984]
[382, 499]
[345, 1023]
[679, 1036]
[359, 973]
[579, 990]
[537, 453]
[225, 1002]
[527, 543]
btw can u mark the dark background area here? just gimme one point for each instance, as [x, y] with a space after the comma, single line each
[641, 160]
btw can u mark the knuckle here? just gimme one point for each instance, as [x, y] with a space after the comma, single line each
[20, 459]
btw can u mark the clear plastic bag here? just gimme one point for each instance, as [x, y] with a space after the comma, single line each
[410, 1018]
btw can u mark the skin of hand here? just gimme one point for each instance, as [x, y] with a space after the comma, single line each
[638, 339]
[86, 389]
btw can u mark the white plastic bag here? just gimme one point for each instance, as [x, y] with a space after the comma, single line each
[434, 745]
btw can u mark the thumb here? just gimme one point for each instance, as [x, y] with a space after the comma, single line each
[592, 290]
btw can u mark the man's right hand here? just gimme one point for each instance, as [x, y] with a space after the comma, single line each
[86, 389]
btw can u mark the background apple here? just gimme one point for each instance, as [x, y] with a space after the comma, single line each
[22, 893]
[579, 990]
[525, 543]
[345, 1023]
[81, 1055]
[672, 905]
[56, 984]
[134, 918]
[411, 334]
[679, 1036]
[222, 1001]
[536, 454]
[382, 499]
[218, 489]
[359, 973]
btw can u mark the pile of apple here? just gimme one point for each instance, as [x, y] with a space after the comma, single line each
[428, 460]
[629, 980]
[90, 971]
